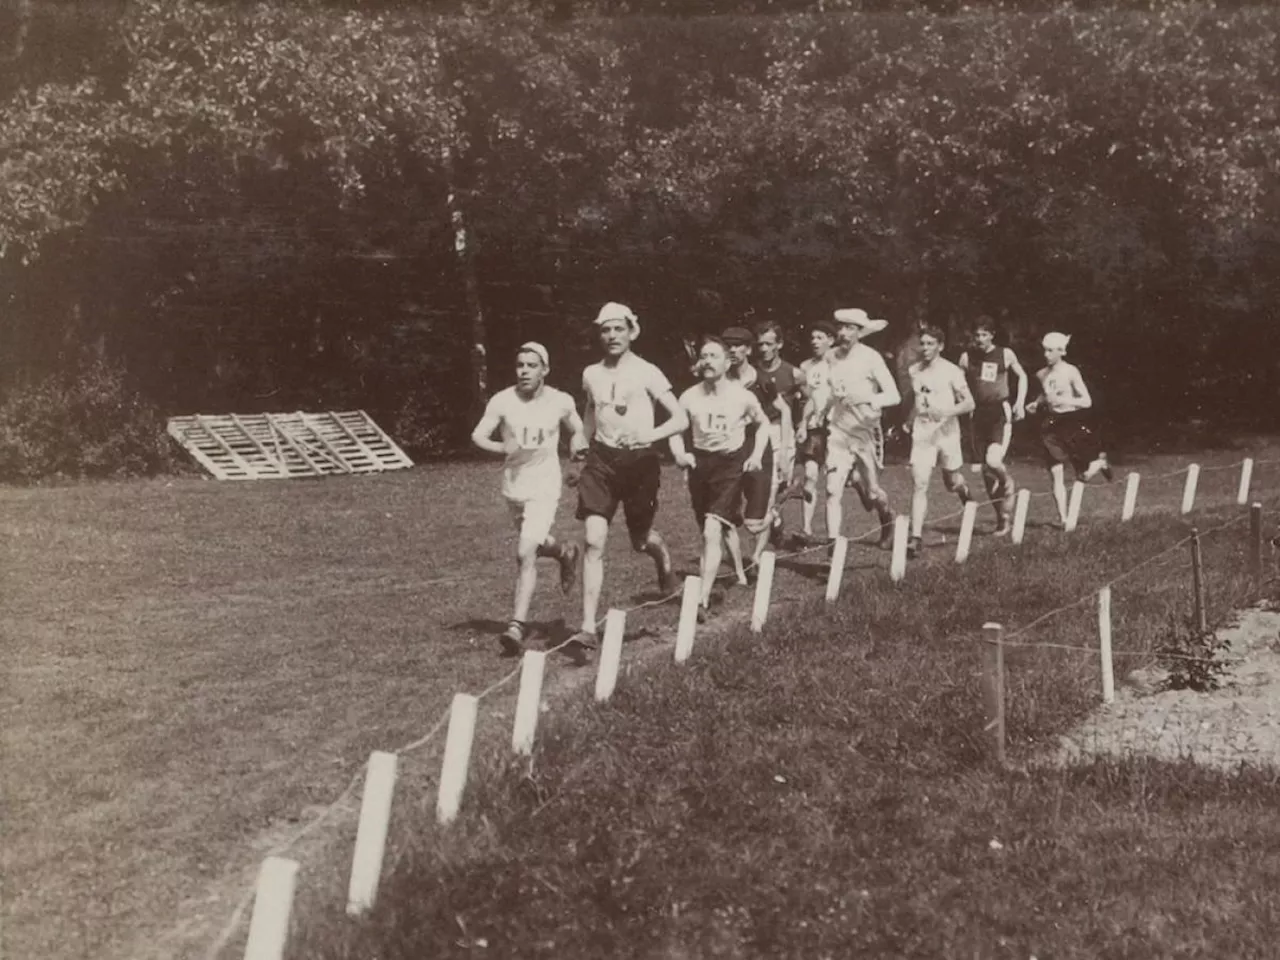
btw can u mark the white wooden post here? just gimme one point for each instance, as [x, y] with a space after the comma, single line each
[839, 553]
[688, 618]
[457, 756]
[1073, 506]
[764, 587]
[898, 562]
[966, 531]
[615, 624]
[1104, 644]
[371, 834]
[1130, 496]
[272, 904]
[1189, 491]
[528, 702]
[1021, 505]
[1246, 477]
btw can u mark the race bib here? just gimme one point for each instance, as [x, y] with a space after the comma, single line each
[715, 423]
[989, 372]
[531, 438]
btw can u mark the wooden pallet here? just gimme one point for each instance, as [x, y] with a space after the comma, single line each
[277, 446]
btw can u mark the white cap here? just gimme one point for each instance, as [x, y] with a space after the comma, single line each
[535, 347]
[1055, 341]
[618, 311]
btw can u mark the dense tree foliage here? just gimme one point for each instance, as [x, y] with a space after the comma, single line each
[274, 206]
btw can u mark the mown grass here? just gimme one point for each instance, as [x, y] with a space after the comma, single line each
[825, 791]
[196, 670]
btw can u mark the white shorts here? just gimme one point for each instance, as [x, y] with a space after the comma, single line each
[934, 443]
[845, 450]
[534, 518]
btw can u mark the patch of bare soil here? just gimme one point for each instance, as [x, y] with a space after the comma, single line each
[1236, 724]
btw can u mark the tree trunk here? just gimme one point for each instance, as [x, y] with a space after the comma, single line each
[471, 285]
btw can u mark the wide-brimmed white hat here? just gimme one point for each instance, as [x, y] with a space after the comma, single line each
[860, 319]
[619, 311]
[1055, 341]
[534, 347]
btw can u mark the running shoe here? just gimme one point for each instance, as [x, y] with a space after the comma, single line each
[578, 647]
[512, 639]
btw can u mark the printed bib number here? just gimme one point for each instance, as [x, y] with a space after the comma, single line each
[531, 438]
[989, 372]
[715, 423]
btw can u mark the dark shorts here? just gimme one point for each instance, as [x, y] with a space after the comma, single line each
[1068, 439]
[757, 486]
[630, 477]
[988, 424]
[814, 448]
[715, 486]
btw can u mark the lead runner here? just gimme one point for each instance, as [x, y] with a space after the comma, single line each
[622, 465]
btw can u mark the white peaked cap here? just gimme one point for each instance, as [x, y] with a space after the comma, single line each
[618, 311]
[534, 347]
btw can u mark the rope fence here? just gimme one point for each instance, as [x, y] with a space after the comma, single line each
[272, 894]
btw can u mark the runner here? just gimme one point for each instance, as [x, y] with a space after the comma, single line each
[861, 386]
[758, 489]
[529, 417]
[1063, 429]
[991, 425]
[790, 386]
[719, 411]
[622, 465]
[811, 430]
[939, 397]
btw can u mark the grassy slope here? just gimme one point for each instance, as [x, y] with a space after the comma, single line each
[824, 793]
[193, 666]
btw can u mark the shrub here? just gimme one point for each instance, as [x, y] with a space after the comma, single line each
[87, 423]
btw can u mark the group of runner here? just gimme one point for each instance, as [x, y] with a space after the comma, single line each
[749, 427]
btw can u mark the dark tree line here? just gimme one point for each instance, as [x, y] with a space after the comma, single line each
[282, 206]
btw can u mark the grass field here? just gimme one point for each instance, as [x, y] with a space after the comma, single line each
[195, 668]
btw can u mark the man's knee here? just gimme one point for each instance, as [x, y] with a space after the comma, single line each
[527, 548]
[595, 535]
[995, 458]
[953, 480]
[756, 526]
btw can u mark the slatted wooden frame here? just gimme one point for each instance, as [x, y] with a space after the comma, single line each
[277, 446]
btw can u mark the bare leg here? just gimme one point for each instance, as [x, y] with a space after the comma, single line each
[655, 548]
[597, 535]
[711, 555]
[920, 474]
[527, 552]
[1058, 473]
[835, 500]
[733, 543]
[810, 505]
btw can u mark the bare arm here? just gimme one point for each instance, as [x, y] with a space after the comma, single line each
[756, 414]
[577, 431]
[482, 435]
[1082, 400]
[962, 397]
[888, 395]
[1020, 404]
[677, 420]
